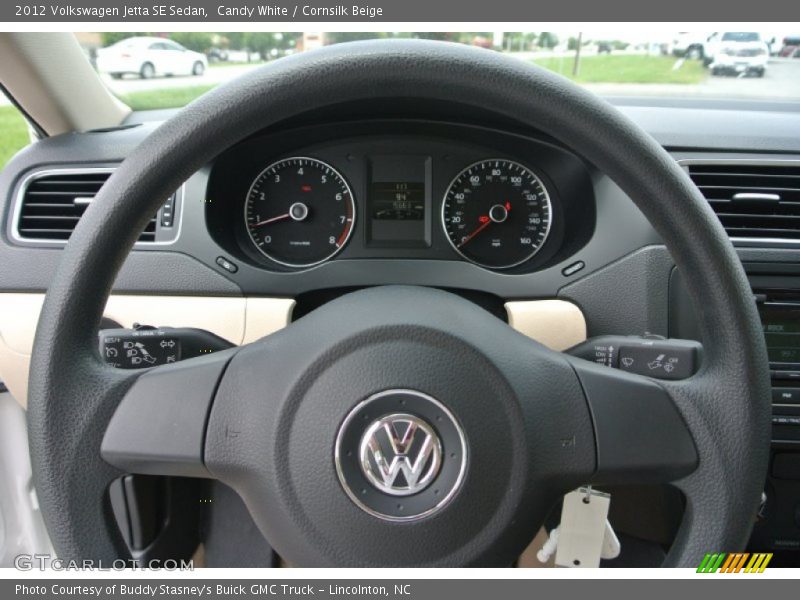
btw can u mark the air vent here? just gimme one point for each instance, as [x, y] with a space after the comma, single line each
[52, 203]
[753, 201]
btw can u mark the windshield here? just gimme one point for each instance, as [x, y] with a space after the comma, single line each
[149, 71]
[740, 36]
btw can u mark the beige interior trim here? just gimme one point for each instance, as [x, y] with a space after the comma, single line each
[557, 324]
[237, 319]
[51, 79]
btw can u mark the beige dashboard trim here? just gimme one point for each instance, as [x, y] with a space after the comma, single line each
[557, 324]
[237, 319]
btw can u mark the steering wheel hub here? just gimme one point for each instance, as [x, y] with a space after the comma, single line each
[436, 444]
[400, 455]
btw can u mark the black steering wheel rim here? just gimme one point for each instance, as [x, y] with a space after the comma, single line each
[73, 395]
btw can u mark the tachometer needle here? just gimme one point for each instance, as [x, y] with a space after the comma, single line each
[485, 222]
[272, 220]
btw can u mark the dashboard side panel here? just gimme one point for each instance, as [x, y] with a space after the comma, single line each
[628, 297]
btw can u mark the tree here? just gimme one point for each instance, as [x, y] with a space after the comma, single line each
[548, 40]
[572, 43]
[338, 37]
[109, 38]
[518, 41]
[434, 35]
[260, 41]
[235, 40]
[289, 40]
[193, 40]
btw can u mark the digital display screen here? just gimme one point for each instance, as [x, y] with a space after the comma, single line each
[398, 201]
[781, 323]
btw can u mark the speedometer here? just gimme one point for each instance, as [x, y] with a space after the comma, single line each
[299, 212]
[497, 213]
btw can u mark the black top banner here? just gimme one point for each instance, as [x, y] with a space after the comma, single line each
[439, 11]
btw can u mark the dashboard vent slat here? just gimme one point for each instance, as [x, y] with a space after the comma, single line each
[733, 191]
[52, 204]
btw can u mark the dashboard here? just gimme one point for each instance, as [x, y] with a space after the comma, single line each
[430, 196]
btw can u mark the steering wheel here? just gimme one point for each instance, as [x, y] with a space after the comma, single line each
[399, 426]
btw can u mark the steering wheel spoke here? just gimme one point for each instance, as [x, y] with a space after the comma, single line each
[159, 427]
[640, 434]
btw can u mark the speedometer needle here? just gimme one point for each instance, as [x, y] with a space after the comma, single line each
[485, 222]
[272, 220]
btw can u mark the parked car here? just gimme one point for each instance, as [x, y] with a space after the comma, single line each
[737, 53]
[689, 44]
[148, 57]
[217, 55]
[791, 47]
[604, 48]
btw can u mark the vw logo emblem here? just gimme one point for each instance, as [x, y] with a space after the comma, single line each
[400, 454]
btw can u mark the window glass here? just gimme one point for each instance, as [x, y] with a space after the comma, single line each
[740, 36]
[655, 62]
[14, 133]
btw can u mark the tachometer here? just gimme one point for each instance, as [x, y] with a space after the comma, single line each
[497, 213]
[299, 212]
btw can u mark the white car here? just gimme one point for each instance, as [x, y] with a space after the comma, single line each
[737, 53]
[148, 57]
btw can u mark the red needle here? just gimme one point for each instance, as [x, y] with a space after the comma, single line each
[483, 226]
[272, 220]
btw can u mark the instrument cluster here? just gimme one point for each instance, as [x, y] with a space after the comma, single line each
[502, 207]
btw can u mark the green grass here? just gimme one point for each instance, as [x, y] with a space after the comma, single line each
[610, 68]
[13, 133]
[164, 98]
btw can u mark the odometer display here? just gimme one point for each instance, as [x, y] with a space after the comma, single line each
[299, 212]
[497, 213]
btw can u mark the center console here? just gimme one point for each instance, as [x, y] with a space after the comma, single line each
[776, 291]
